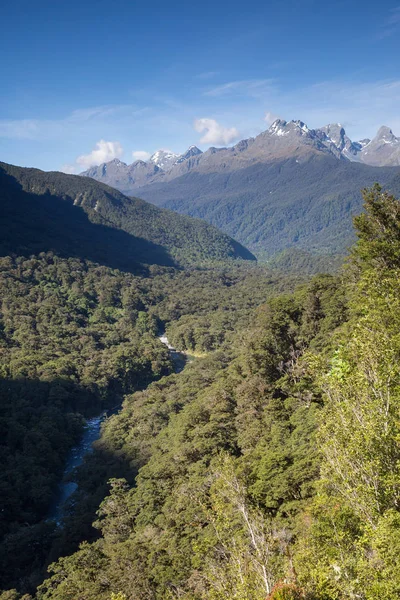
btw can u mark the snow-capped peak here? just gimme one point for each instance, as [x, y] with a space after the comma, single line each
[164, 159]
[281, 127]
[334, 133]
[364, 142]
[278, 128]
[190, 152]
[301, 126]
[117, 162]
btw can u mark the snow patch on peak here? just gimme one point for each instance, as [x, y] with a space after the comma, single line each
[164, 159]
[384, 131]
[278, 128]
[301, 126]
[364, 142]
[277, 124]
[117, 162]
[281, 128]
[190, 153]
[386, 135]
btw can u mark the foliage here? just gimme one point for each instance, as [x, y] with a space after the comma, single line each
[295, 260]
[285, 591]
[72, 343]
[189, 529]
[81, 217]
[267, 468]
[378, 231]
[242, 564]
[354, 522]
[75, 337]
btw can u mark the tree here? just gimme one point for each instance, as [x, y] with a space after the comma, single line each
[355, 519]
[378, 231]
[242, 564]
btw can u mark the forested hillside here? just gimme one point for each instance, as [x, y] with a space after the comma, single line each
[80, 217]
[290, 187]
[268, 467]
[305, 203]
[78, 331]
[228, 441]
[200, 349]
[75, 338]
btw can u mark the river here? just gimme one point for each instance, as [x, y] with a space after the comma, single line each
[178, 358]
[92, 433]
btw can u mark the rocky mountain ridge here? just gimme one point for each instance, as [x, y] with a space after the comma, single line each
[164, 159]
[283, 139]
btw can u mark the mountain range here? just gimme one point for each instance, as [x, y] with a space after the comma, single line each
[289, 187]
[282, 138]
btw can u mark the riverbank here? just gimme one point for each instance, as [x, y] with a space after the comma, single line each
[92, 433]
[180, 359]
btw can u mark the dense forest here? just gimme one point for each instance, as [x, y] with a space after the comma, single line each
[267, 468]
[75, 337]
[75, 216]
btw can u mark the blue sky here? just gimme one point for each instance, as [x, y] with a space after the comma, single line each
[83, 82]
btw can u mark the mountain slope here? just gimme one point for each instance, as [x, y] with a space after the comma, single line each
[121, 176]
[127, 178]
[384, 149]
[81, 217]
[282, 139]
[289, 187]
[163, 159]
[304, 202]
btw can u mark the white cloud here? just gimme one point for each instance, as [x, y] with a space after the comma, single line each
[214, 132]
[361, 106]
[255, 88]
[103, 152]
[19, 129]
[69, 169]
[270, 117]
[141, 155]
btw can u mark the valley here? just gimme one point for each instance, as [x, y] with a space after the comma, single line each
[91, 433]
[200, 300]
[209, 467]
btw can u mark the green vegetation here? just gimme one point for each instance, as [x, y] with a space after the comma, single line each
[293, 260]
[76, 216]
[352, 542]
[268, 468]
[223, 451]
[74, 337]
[279, 205]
